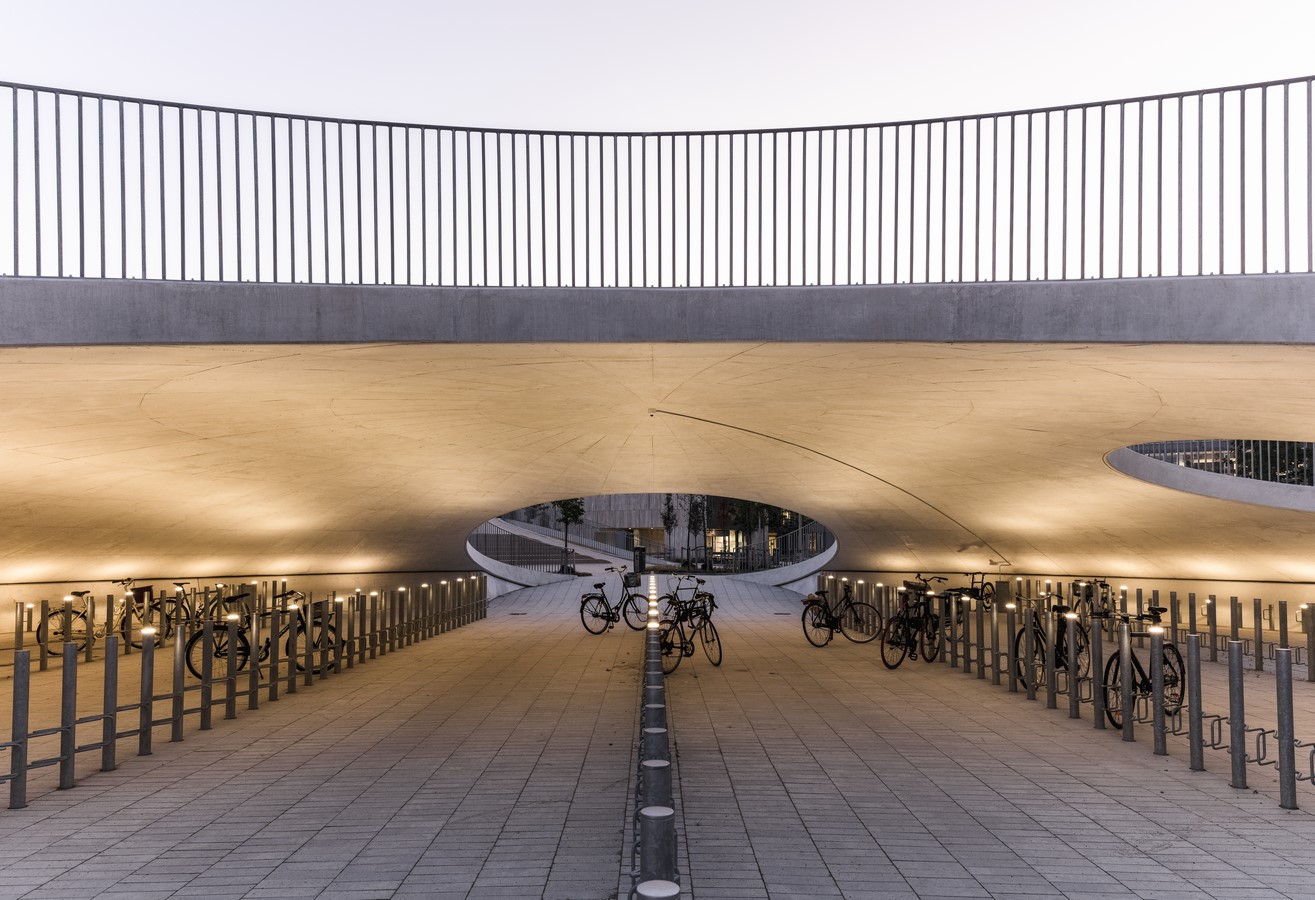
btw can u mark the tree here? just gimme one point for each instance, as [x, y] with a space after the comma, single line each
[569, 512]
[668, 516]
[696, 521]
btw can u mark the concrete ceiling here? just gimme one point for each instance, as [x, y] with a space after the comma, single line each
[213, 460]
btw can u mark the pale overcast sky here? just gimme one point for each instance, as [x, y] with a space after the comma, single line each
[680, 64]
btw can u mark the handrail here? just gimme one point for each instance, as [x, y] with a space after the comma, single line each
[1279, 462]
[1216, 181]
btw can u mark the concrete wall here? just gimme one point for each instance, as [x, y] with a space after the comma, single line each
[1211, 484]
[1209, 309]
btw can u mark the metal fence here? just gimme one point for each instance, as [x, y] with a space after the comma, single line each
[1080, 640]
[1191, 183]
[236, 655]
[1283, 462]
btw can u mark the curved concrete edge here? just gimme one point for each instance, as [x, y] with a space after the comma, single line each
[1210, 484]
[504, 578]
[1204, 309]
[798, 577]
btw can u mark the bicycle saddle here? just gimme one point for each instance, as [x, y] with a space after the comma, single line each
[79, 594]
[599, 585]
[1157, 610]
[1058, 608]
[236, 597]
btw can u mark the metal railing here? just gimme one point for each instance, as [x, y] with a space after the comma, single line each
[1281, 462]
[288, 643]
[1191, 183]
[1029, 659]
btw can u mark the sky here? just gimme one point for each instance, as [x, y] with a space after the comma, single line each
[682, 64]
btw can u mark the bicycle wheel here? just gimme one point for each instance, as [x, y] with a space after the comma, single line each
[50, 632]
[860, 622]
[594, 613]
[635, 612]
[1175, 679]
[894, 641]
[219, 653]
[987, 596]
[1112, 684]
[1037, 664]
[671, 645]
[816, 628]
[929, 637]
[711, 642]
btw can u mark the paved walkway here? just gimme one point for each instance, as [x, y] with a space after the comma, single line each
[495, 761]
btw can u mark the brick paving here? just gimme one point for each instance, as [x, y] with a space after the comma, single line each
[495, 761]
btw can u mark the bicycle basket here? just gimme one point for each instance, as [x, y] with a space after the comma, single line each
[630, 579]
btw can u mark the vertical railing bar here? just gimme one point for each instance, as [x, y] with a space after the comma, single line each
[1082, 199]
[1141, 187]
[1123, 143]
[1063, 202]
[1029, 196]
[1264, 180]
[789, 208]
[36, 184]
[1159, 187]
[324, 195]
[1200, 184]
[688, 215]
[881, 203]
[392, 215]
[926, 213]
[13, 92]
[1100, 227]
[424, 208]
[1221, 182]
[59, 192]
[543, 219]
[1045, 204]
[913, 195]
[100, 182]
[456, 268]
[1178, 269]
[82, 194]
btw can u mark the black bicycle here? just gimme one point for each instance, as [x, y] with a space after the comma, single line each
[295, 631]
[915, 625]
[1081, 664]
[598, 615]
[685, 620]
[1175, 677]
[858, 621]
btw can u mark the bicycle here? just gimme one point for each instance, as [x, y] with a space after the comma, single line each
[1174, 673]
[295, 632]
[124, 611]
[698, 603]
[915, 624]
[673, 639]
[858, 621]
[978, 589]
[1082, 645]
[598, 615]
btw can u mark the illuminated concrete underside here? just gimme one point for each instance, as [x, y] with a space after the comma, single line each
[211, 460]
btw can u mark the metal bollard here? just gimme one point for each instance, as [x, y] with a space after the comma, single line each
[1173, 617]
[1237, 726]
[1308, 625]
[1029, 652]
[325, 620]
[1011, 663]
[1259, 631]
[657, 844]
[1283, 624]
[207, 671]
[91, 628]
[1195, 727]
[655, 782]
[275, 648]
[253, 659]
[1212, 622]
[179, 686]
[655, 715]
[68, 717]
[309, 641]
[995, 643]
[230, 694]
[981, 643]
[1191, 613]
[1157, 690]
[953, 631]
[109, 723]
[294, 647]
[43, 645]
[1127, 706]
[18, 729]
[18, 626]
[1097, 626]
[1234, 619]
[1287, 752]
[146, 699]
[1074, 676]
[1052, 664]
[654, 744]
[374, 625]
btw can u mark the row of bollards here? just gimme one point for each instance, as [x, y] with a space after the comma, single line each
[278, 641]
[1060, 650]
[654, 872]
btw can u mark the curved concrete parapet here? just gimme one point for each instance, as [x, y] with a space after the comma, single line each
[1211, 484]
[1210, 309]
[798, 577]
[504, 578]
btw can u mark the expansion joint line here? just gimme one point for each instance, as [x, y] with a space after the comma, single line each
[1002, 559]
